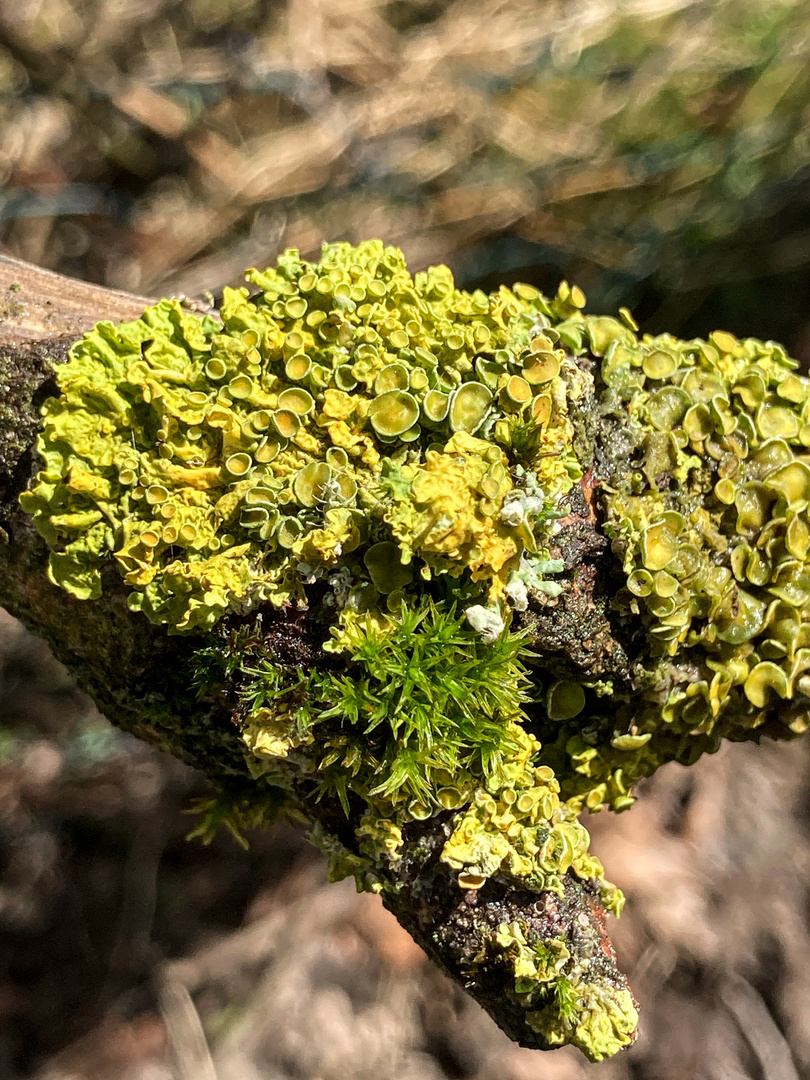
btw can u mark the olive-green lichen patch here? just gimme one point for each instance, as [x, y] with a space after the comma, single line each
[221, 464]
[715, 556]
[708, 514]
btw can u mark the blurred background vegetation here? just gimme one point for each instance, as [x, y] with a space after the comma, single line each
[657, 152]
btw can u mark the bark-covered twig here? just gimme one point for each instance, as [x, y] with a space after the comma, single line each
[434, 571]
[143, 679]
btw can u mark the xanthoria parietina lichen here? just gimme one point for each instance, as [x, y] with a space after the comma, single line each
[397, 460]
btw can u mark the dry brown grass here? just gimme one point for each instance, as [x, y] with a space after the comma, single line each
[650, 148]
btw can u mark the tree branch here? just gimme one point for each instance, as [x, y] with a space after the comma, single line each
[142, 678]
[37, 305]
[439, 571]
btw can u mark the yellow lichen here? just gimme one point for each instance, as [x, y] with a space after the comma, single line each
[517, 827]
[446, 511]
[342, 439]
[594, 1016]
[211, 459]
[272, 733]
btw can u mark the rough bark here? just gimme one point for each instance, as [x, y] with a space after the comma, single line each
[141, 677]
